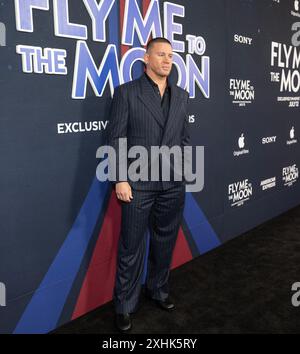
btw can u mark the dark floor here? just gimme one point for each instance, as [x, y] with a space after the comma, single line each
[243, 286]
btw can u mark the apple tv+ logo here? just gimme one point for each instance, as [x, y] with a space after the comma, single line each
[292, 139]
[241, 144]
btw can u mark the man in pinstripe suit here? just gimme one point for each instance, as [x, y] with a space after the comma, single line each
[148, 111]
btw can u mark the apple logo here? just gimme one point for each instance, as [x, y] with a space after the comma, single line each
[292, 133]
[241, 141]
[296, 4]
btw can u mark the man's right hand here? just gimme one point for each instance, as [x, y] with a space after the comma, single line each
[123, 191]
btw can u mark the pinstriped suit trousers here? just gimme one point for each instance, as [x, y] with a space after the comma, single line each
[161, 211]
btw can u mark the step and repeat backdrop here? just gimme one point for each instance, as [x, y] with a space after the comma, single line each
[59, 64]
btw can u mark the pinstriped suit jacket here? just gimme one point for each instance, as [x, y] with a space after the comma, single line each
[135, 115]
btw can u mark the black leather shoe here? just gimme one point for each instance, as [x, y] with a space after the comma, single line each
[166, 304]
[123, 322]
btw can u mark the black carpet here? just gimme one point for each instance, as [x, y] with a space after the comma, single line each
[243, 286]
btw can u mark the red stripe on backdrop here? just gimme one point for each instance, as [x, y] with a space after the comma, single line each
[146, 4]
[182, 253]
[98, 284]
[124, 48]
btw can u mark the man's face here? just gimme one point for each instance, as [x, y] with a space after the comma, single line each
[159, 59]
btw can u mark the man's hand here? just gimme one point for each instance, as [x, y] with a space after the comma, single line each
[123, 191]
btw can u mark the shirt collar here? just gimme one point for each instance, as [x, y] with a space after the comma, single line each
[153, 83]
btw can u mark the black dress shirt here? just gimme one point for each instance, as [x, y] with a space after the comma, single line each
[164, 103]
[165, 99]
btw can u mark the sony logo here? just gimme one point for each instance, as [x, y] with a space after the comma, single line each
[242, 39]
[269, 139]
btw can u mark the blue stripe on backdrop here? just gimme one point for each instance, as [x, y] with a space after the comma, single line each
[44, 309]
[51, 301]
[203, 234]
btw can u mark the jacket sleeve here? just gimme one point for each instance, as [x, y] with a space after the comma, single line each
[118, 121]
